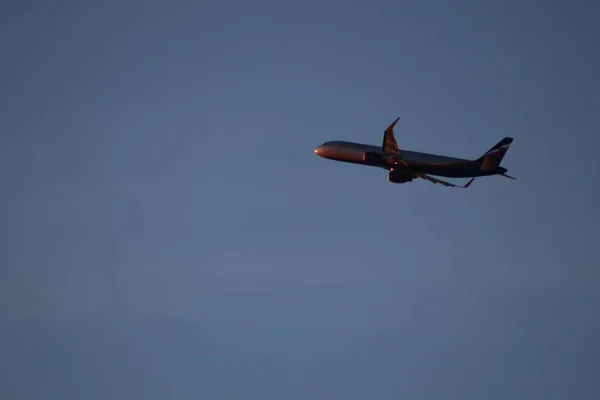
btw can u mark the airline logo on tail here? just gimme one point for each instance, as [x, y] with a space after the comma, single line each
[492, 159]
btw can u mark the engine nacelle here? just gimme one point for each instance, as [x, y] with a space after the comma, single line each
[399, 177]
[373, 158]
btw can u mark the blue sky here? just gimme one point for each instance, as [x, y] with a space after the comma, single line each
[168, 232]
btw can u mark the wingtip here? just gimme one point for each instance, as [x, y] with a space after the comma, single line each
[469, 183]
[394, 123]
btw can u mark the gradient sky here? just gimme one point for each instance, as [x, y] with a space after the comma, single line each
[168, 233]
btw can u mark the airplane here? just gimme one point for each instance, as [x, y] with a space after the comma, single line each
[405, 166]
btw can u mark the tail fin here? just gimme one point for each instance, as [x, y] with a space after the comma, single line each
[493, 157]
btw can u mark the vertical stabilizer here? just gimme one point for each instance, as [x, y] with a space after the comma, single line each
[493, 157]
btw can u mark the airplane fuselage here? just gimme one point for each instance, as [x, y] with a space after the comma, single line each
[425, 163]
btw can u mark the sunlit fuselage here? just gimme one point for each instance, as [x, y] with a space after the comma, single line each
[419, 162]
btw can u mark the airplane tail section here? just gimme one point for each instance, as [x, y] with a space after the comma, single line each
[493, 157]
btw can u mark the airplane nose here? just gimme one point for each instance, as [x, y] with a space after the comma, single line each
[319, 150]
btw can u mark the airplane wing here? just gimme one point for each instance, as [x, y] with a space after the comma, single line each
[390, 146]
[392, 154]
[389, 141]
[441, 182]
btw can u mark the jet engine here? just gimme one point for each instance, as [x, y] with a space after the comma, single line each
[399, 177]
[373, 158]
